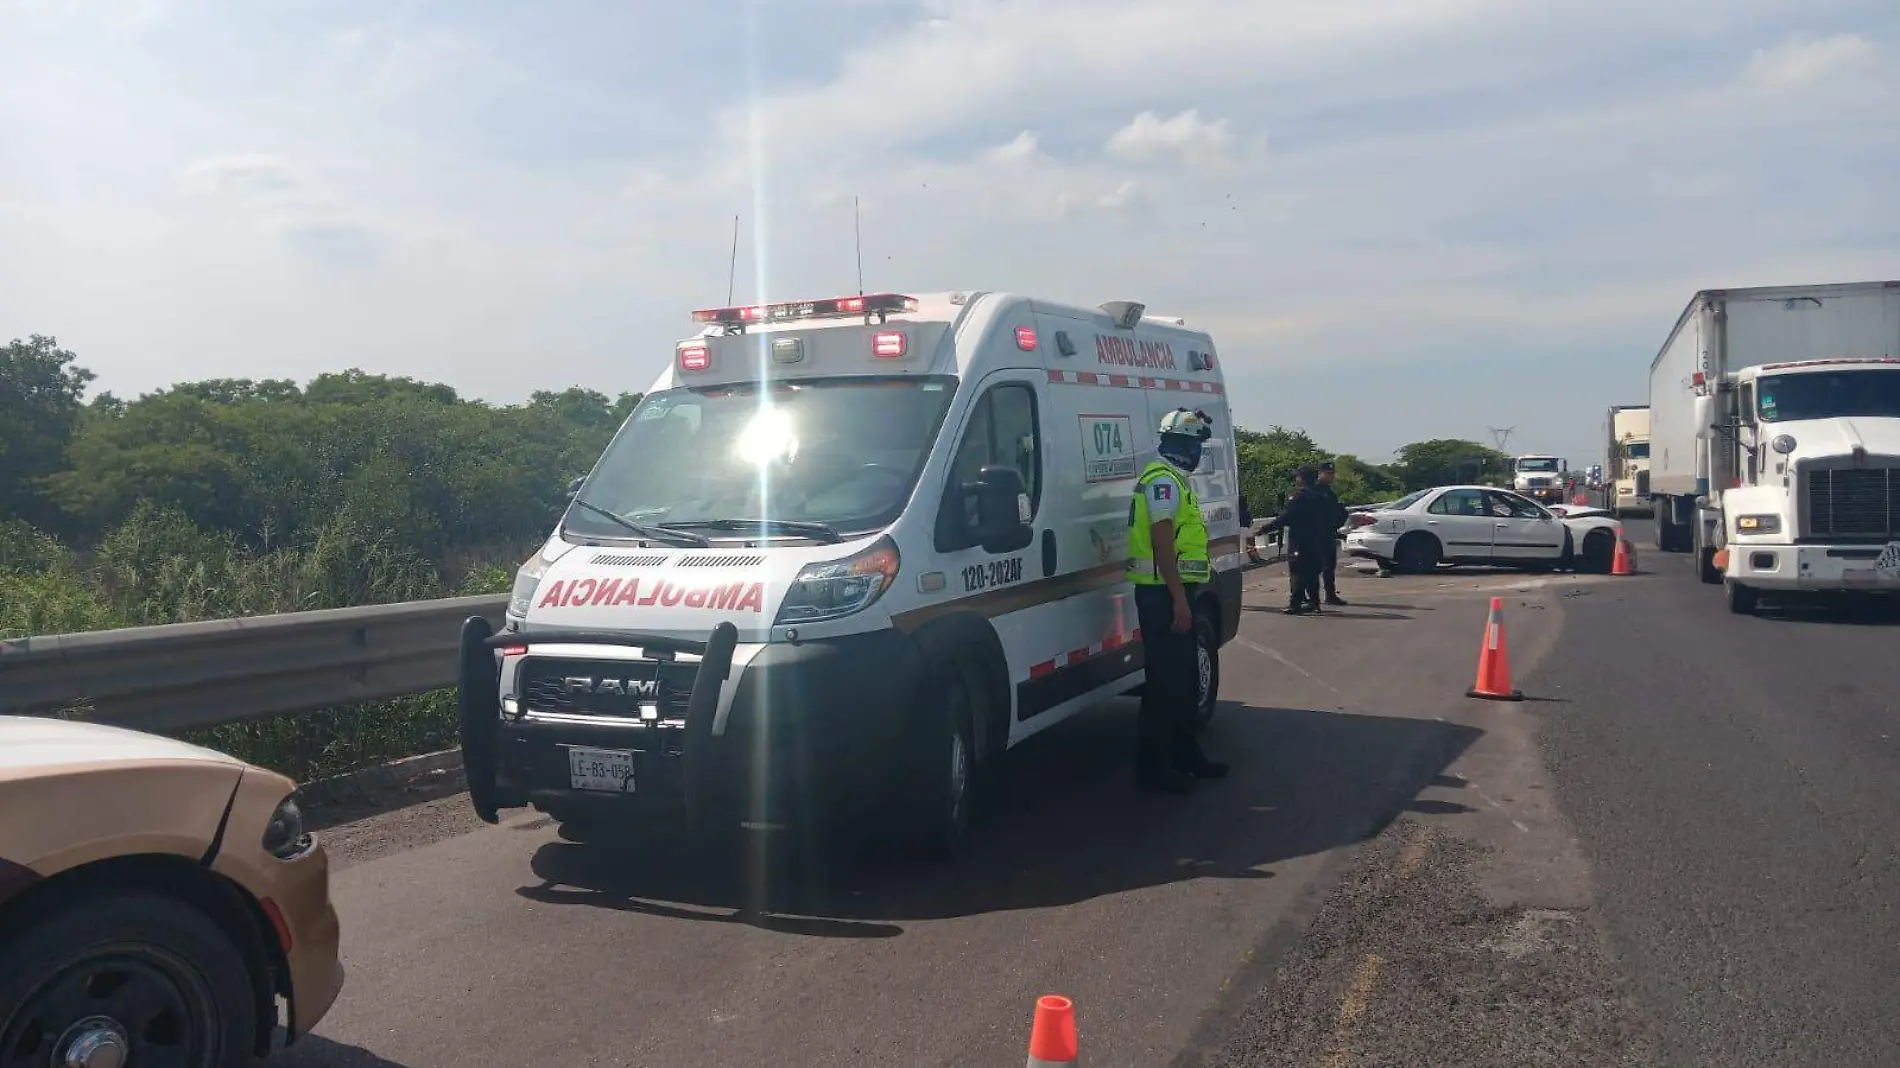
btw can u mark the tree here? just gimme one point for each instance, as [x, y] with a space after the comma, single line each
[1424, 464]
[40, 409]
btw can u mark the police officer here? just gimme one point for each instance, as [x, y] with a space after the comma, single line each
[1329, 558]
[1305, 520]
[1168, 564]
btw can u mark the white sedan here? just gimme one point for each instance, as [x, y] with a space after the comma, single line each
[1479, 525]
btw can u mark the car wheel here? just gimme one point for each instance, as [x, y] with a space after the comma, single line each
[1599, 552]
[1416, 554]
[1742, 600]
[125, 978]
[941, 772]
[1207, 675]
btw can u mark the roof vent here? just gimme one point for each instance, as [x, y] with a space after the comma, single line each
[1125, 313]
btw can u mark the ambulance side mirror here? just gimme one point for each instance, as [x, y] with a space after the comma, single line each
[1002, 509]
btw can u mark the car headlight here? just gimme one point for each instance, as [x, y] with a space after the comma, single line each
[526, 580]
[284, 836]
[1758, 524]
[838, 588]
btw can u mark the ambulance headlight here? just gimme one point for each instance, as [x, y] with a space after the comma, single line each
[526, 580]
[838, 588]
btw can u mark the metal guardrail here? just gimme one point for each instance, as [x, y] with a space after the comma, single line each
[182, 675]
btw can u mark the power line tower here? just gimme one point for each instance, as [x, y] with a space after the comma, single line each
[1501, 435]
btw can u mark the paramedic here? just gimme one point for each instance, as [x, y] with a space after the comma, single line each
[1329, 557]
[1168, 563]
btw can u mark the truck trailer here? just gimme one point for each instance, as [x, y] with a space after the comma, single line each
[1775, 439]
[1626, 469]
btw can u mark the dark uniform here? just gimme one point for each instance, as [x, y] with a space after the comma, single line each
[1308, 522]
[1329, 557]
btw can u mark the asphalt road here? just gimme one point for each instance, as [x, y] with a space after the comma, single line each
[1678, 850]
[1735, 783]
[473, 945]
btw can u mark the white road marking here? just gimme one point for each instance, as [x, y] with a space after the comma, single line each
[1264, 651]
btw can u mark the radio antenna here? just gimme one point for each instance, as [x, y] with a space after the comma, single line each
[732, 270]
[857, 238]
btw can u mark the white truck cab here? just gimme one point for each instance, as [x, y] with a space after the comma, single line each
[842, 556]
[1775, 435]
[1539, 477]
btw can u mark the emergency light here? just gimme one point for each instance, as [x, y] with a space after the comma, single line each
[878, 304]
[695, 356]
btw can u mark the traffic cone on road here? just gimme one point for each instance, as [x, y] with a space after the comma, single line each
[1052, 1037]
[1494, 660]
[1624, 562]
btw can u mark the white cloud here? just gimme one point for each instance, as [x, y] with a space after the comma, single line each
[1450, 180]
[1024, 148]
[1798, 63]
[1185, 137]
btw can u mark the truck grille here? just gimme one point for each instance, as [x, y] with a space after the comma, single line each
[614, 689]
[1858, 503]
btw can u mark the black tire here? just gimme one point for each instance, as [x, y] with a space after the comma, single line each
[1417, 553]
[1207, 676]
[939, 774]
[1661, 525]
[479, 698]
[159, 975]
[1599, 553]
[1742, 600]
[1705, 566]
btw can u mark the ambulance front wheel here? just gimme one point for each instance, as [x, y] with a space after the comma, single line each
[1206, 668]
[939, 777]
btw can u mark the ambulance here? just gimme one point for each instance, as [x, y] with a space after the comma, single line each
[842, 557]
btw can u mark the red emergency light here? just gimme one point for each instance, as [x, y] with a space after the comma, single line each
[1026, 338]
[889, 344]
[695, 356]
[879, 304]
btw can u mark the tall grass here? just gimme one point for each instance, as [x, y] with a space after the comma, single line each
[160, 567]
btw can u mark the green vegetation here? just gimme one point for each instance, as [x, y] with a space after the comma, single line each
[236, 497]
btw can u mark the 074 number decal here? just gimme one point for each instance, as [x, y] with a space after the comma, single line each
[994, 573]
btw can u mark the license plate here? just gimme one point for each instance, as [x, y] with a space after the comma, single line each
[601, 770]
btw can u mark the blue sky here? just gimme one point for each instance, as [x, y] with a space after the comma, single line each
[1400, 218]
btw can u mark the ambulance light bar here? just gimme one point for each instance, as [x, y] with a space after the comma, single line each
[879, 304]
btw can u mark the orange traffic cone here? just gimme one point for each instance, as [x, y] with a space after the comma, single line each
[1494, 660]
[1624, 562]
[1052, 1037]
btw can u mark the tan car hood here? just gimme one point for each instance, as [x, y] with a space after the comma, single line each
[32, 745]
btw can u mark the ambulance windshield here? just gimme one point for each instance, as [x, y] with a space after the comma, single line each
[842, 452]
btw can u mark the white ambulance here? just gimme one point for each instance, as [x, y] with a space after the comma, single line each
[843, 555]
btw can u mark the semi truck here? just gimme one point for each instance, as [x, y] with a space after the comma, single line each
[1626, 471]
[1775, 439]
[1539, 477]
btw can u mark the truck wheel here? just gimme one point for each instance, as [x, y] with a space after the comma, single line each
[1705, 564]
[1207, 658]
[125, 978]
[1417, 554]
[940, 774]
[1742, 600]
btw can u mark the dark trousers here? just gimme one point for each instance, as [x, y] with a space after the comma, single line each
[1303, 567]
[1165, 729]
[1329, 564]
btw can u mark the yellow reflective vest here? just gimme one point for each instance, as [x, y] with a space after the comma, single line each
[1190, 531]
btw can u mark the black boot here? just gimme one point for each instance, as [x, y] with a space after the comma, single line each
[1335, 599]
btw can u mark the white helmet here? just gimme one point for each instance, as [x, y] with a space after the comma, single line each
[1187, 424]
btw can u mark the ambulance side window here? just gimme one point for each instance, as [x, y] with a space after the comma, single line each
[1002, 430]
